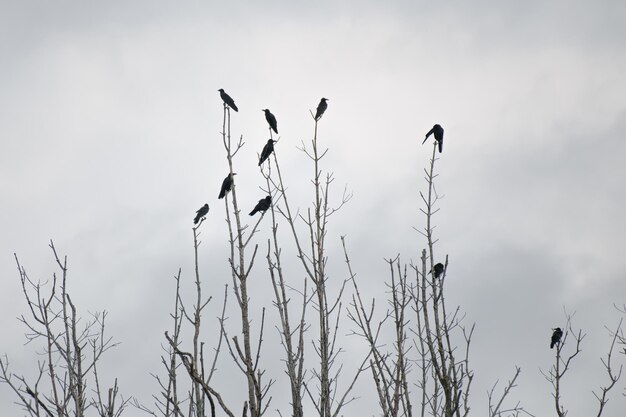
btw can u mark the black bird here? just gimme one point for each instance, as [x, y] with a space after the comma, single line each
[271, 120]
[267, 151]
[228, 100]
[437, 130]
[226, 185]
[556, 337]
[262, 205]
[438, 269]
[321, 108]
[201, 213]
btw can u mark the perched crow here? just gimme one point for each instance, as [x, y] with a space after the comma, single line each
[437, 130]
[262, 205]
[321, 108]
[201, 213]
[228, 100]
[271, 120]
[556, 337]
[226, 185]
[267, 151]
[438, 269]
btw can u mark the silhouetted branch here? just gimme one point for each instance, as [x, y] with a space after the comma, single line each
[613, 377]
[66, 369]
[496, 410]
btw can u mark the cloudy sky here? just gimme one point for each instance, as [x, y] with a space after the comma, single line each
[109, 142]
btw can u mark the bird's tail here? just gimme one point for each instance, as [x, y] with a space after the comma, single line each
[440, 145]
[196, 220]
[253, 212]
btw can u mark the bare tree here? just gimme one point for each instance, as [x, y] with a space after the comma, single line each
[245, 351]
[70, 353]
[390, 369]
[240, 347]
[244, 354]
[292, 336]
[563, 363]
[196, 388]
[452, 377]
[430, 341]
[200, 389]
[329, 399]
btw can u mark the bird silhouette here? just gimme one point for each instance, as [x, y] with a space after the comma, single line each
[267, 151]
[556, 337]
[438, 268]
[321, 108]
[437, 130]
[201, 213]
[226, 185]
[228, 100]
[271, 120]
[262, 205]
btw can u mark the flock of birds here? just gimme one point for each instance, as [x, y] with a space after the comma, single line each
[265, 203]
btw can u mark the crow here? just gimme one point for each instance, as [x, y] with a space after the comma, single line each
[228, 100]
[267, 151]
[262, 205]
[556, 337]
[226, 185]
[439, 268]
[271, 120]
[321, 108]
[437, 130]
[201, 213]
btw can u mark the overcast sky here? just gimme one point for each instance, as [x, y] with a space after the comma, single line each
[109, 142]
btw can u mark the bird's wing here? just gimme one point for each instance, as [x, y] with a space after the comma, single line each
[321, 108]
[224, 187]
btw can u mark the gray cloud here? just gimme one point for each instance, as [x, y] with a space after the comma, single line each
[110, 142]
